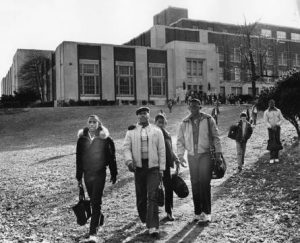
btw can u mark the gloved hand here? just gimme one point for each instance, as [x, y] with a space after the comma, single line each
[113, 179]
[131, 167]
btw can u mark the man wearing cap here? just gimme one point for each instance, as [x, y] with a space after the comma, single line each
[144, 151]
[193, 136]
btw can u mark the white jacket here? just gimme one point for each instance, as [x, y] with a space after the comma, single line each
[156, 147]
[273, 117]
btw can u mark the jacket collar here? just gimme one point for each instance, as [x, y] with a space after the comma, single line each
[202, 117]
[272, 109]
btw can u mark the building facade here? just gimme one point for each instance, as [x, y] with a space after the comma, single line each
[174, 56]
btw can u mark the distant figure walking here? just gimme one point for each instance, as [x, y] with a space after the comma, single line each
[215, 112]
[254, 112]
[145, 155]
[241, 132]
[273, 119]
[170, 105]
[94, 152]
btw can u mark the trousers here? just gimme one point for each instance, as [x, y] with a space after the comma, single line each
[146, 185]
[200, 172]
[168, 190]
[241, 150]
[95, 186]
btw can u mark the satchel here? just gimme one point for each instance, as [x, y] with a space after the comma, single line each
[160, 195]
[179, 186]
[82, 209]
[218, 165]
[233, 132]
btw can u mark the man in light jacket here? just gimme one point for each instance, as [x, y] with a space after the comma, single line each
[145, 155]
[193, 136]
[273, 119]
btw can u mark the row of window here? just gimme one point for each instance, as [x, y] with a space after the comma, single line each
[235, 56]
[280, 34]
[237, 90]
[89, 80]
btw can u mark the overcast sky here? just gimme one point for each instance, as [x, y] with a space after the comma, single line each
[44, 24]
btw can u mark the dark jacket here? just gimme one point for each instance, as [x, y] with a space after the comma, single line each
[170, 155]
[236, 132]
[239, 136]
[92, 156]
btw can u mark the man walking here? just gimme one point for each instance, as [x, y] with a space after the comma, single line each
[145, 155]
[273, 119]
[193, 136]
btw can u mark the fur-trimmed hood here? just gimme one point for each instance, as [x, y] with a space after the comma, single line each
[102, 132]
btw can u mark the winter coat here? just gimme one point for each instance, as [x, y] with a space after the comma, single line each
[248, 132]
[92, 156]
[156, 147]
[273, 117]
[185, 140]
[170, 155]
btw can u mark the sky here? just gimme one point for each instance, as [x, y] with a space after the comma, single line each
[44, 24]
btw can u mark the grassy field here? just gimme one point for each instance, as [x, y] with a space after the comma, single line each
[38, 185]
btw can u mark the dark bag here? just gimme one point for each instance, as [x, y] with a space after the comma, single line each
[179, 186]
[160, 195]
[233, 132]
[82, 209]
[219, 165]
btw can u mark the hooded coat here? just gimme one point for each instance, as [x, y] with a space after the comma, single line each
[93, 155]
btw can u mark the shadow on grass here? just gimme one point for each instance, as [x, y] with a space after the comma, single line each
[51, 158]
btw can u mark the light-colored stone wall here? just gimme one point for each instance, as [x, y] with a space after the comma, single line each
[158, 36]
[141, 74]
[107, 66]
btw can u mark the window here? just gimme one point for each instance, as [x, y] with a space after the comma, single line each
[194, 67]
[220, 50]
[282, 59]
[221, 73]
[236, 90]
[269, 57]
[157, 76]
[235, 56]
[124, 78]
[250, 91]
[296, 60]
[281, 35]
[89, 77]
[295, 36]
[237, 74]
[266, 33]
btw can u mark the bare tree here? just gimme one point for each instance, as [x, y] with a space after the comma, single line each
[34, 75]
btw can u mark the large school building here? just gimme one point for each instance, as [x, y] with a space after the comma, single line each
[175, 55]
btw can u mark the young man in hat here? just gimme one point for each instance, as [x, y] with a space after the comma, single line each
[145, 155]
[273, 119]
[193, 136]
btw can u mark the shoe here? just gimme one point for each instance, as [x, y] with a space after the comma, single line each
[169, 217]
[198, 217]
[154, 232]
[206, 217]
[276, 160]
[93, 238]
[271, 161]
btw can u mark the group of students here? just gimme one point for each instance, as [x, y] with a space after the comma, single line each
[149, 155]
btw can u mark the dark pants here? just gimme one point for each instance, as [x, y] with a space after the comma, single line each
[146, 185]
[274, 142]
[200, 171]
[254, 118]
[95, 185]
[168, 190]
[241, 150]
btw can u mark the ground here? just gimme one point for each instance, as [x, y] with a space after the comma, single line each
[38, 186]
